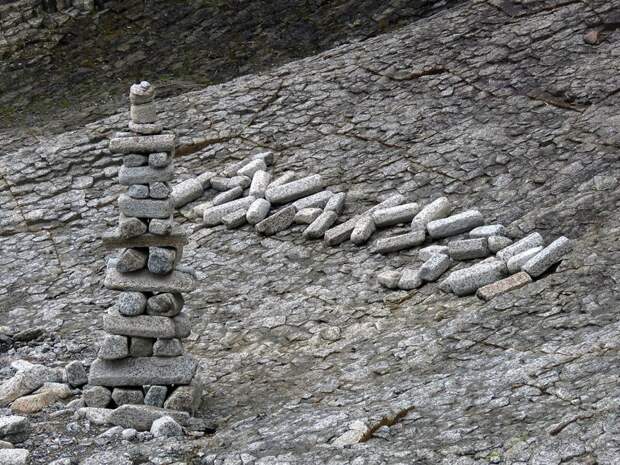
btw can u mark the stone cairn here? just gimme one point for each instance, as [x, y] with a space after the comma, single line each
[141, 359]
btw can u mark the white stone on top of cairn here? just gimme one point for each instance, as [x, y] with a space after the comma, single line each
[142, 92]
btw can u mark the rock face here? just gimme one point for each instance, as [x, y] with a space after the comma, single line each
[497, 106]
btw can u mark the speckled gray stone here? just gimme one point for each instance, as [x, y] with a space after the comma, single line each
[277, 222]
[318, 200]
[141, 417]
[400, 242]
[161, 260]
[131, 260]
[317, 228]
[144, 281]
[394, 215]
[258, 211]
[143, 144]
[307, 215]
[141, 371]
[515, 262]
[235, 219]
[142, 92]
[146, 128]
[438, 208]
[455, 224]
[284, 178]
[363, 230]
[528, 242]
[160, 159]
[166, 427]
[497, 243]
[502, 286]
[122, 396]
[159, 190]
[336, 202]
[252, 167]
[131, 303]
[138, 191]
[389, 279]
[294, 190]
[97, 396]
[144, 175]
[167, 348]
[434, 267]
[488, 230]
[427, 252]
[468, 249]
[220, 183]
[547, 257]
[145, 208]
[130, 227]
[187, 191]
[156, 396]
[148, 326]
[468, 280]
[227, 196]
[161, 227]
[409, 279]
[213, 215]
[143, 113]
[141, 346]
[135, 159]
[260, 182]
[239, 181]
[14, 456]
[205, 179]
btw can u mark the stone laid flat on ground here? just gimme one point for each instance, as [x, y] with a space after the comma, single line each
[144, 281]
[14, 428]
[400, 242]
[212, 215]
[336, 202]
[455, 224]
[317, 228]
[260, 182]
[140, 371]
[547, 257]
[294, 190]
[410, 279]
[187, 191]
[318, 200]
[363, 231]
[389, 279]
[113, 240]
[515, 262]
[438, 208]
[427, 252]
[307, 215]
[468, 249]
[434, 267]
[394, 215]
[258, 211]
[528, 242]
[488, 230]
[504, 285]
[277, 222]
[497, 243]
[145, 208]
[468, 280]
[143, 144]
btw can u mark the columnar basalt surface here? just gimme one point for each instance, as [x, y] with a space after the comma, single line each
[501, 107]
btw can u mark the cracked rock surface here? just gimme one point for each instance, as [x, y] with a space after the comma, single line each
[500, 106]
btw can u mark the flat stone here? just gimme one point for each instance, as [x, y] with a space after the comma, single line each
[167, 348]
[97, 396]
[186, 398]
[138, 191]
[141, 346]
[437, 209]
[389, 279]
[488, 231]
[394, 215]
[468, 249]
[252, 167]
[156, 396]
[427, 252]
[134, 159]
[176, 238]
[142, 371]
[186, 192]
[318, 200]
[235, 219]
[145, 281]
[128, 176]
[213, 216]
[14, 428]
[317, 228]
[528, 242]
[400, 242]
[166, 427]
[260, 182]
[76, 374]
[468, 280]
[336, 202]
[547, 257]
[131, 303]
[277, 222]
[363, 231]
[131, 260]
[166, 304]
[294, 190]
[129, 228]
[307, 215]
[145, 208]
[141, 417]
[113, 347]
[46, 395]
[227, 196]
[515, 262]
[159, 190]
[455, 224]
[409, 279]
[14, 457]
[146, 128]
[497, 243]
[161, 260]
[23, 383]
[342, 232]
[502, 286]
[160, 159]
[258, 211]
[122, 396]
[143, 144]
[434, 267]
[148, 326]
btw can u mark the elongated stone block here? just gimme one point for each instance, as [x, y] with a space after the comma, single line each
[455, 224]
[220, 183]
[503, 285]
[317, 228]
[434, 267]
[428, 252]
[277, 222]
[213, 215]
[547, 257]
[187, 191]
[438, 208]
[488, 231]
[205, 179]
[318, 200]
[252, 167]
[468, 249]
[144, 281]
[144, 175]
[235, 219]
[260, 182]
[141, 417]
[336, 202]
[227, 196]
[395, 215]
[258, 211]
[468, 280]
[146, 326]
[294, 190]
[140, 371]
[528, 242]
[342, 232]
[113, 240]
[143, 144]
[363, 231]
[515, 262]
[497, 243]
[285, 178]
[400, 242]
[389, 279]
[145, 208]
[410, 279]
[146, 129]
[307, 215]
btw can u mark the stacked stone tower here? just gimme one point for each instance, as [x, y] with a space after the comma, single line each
[141, 358]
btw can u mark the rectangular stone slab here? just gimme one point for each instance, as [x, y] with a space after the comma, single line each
[505, 285]
[143, 144]
[145, 208]
[144, 281]
[112, 240]
[144, 175]
[147, 326]
[141, 417]
[141, 371]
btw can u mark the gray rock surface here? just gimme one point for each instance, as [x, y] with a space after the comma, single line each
[14, 457]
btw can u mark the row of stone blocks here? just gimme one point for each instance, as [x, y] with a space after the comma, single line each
[141, 359]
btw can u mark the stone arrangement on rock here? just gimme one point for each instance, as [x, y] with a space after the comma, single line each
[141, 359]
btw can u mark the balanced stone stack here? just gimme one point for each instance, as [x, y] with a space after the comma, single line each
[141, 359]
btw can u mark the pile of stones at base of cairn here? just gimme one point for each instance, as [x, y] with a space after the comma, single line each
[141, 360]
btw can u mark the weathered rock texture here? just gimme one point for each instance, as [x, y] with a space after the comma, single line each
[499, 106]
